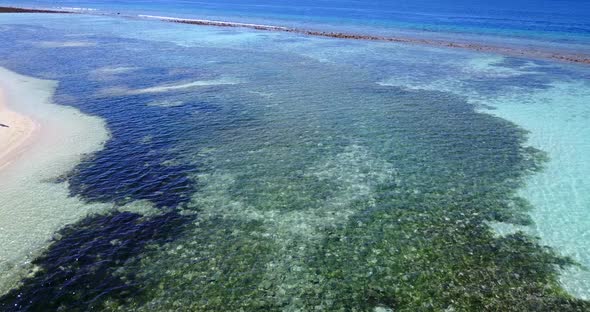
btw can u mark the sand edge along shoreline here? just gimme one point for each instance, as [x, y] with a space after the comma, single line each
[17, 132]
[33, 203]
[577, 58]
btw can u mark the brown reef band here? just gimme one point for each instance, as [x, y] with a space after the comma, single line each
[24, 10]
[573, 58]
[564, 57]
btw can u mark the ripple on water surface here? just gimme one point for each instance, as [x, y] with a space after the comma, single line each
[305, 186]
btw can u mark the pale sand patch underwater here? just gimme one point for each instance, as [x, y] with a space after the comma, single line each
[110, 73]
[170, 87]
[558, 121]
[34, 206]
[114, 70]
[66, 44]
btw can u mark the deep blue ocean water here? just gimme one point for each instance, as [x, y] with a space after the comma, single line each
[563, 20]
[321, 174]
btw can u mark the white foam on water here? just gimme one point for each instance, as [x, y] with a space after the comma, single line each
[32, 206]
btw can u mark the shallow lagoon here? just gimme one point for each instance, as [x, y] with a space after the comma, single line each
[277, 172]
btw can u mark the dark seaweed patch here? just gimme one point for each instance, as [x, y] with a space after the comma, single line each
[420, 243]
[426, 246]
[439, 260]
[218, 265]
[77, 271]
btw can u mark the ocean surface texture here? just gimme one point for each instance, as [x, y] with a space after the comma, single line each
[251, 170]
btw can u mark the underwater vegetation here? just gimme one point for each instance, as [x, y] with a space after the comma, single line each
[79, 268]
[306, 186]
[418, 241]
[421, 243]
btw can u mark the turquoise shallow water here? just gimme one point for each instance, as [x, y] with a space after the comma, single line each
[265, 171]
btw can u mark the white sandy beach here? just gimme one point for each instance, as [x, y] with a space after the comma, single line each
[42, 142]
[16, 133]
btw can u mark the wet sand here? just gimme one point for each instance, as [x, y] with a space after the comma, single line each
[42, 142]
[17, 132]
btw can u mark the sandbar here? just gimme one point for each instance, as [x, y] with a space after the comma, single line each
[42, 142]
[17, 131]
